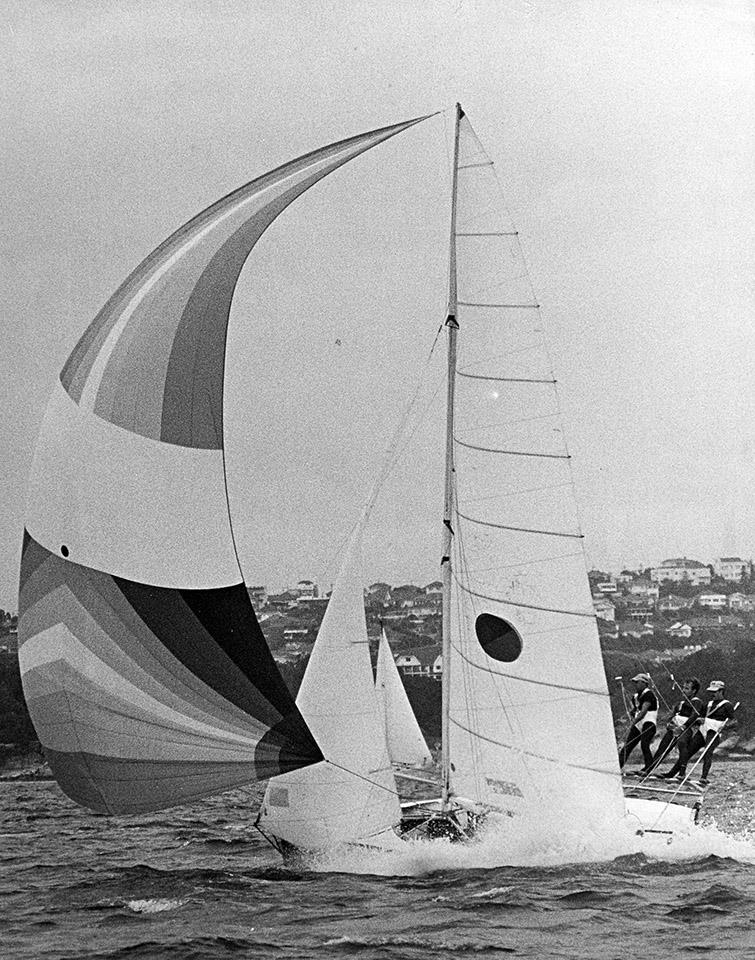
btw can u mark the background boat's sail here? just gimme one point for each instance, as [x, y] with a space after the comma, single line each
[530, 724]
[406, 743]
[146, 674]
[353, 797]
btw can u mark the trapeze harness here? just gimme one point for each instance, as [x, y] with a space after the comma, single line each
[711, 723]
[652, 715]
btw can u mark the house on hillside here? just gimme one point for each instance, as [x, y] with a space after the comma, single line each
[434, 589]
[682, 570]
[282, 601]
[604, 608]
[679, 630]
[673, 604]
[733, 569]
[421, 662]
[742, 601]
[306, 588]
[258, 596]
[714, 601]
[645, 589]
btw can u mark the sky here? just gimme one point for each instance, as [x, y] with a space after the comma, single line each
[623, 134]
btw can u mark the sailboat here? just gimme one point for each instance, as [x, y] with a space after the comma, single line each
[147, 676]
[406, 743]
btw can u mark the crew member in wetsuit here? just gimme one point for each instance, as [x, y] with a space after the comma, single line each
[644, 720]
[706, 733]
[680, 724]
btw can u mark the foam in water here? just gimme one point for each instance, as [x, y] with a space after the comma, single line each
[154, 906]
[519, 844]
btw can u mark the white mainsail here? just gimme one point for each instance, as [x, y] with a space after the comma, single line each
[530, 728]
[406, 744]
[351, 796]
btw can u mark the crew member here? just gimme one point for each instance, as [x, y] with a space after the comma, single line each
[706, 733]
[644, 720]
[718, 712]
[683, 717]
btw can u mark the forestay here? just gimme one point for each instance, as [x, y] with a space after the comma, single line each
[351, 796]
[531, 732]
[406, 744]
[146, 674]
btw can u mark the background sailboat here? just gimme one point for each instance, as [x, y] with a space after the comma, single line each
[405, 741]
[351, 796]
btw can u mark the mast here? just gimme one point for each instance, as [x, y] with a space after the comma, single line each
[448, 497]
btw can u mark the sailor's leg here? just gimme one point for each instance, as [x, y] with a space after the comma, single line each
[632, 739]
[664, 748]
[648, 732]
[688, 748]
[712, 739]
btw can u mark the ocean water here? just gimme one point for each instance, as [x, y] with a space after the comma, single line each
[199, 882]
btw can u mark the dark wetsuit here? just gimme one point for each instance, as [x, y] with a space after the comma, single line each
[644, 735]
[684, 716]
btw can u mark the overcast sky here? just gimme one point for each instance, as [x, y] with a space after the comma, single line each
[623, 133]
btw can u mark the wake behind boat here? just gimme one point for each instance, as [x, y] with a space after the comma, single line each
[147, 676]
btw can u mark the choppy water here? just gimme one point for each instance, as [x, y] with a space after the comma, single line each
[199, 883]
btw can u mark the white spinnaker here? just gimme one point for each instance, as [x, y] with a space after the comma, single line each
[353, 797]
[531, 736]
[402, 733]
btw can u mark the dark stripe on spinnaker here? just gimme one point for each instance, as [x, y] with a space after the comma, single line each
[113, 785]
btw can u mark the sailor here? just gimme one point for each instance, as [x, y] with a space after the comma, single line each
[644, 721]
[681, 723]
[705, 734]
[719, 712]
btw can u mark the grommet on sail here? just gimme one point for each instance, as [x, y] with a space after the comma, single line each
[147, 676]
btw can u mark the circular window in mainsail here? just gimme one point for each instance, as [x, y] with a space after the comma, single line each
[498, 638]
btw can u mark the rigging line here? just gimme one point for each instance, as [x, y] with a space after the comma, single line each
[539, 683]
[524, 606]
[489, 233]
[479, 376]
[468, 166]
[359, 776]
[530, 753]
[502, 526]
[513, 453]
[714, 741]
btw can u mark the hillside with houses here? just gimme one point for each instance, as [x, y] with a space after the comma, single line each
[681, 617]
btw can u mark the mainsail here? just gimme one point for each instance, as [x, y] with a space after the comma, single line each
[406, 744]
[530, 723]
[352, 795]
[146, 674]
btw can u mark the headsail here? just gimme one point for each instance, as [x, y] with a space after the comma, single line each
[530, 722]
[406, 744]
[353, 797]
[147, 676]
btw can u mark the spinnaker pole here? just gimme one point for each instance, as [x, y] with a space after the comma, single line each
[448, 498]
